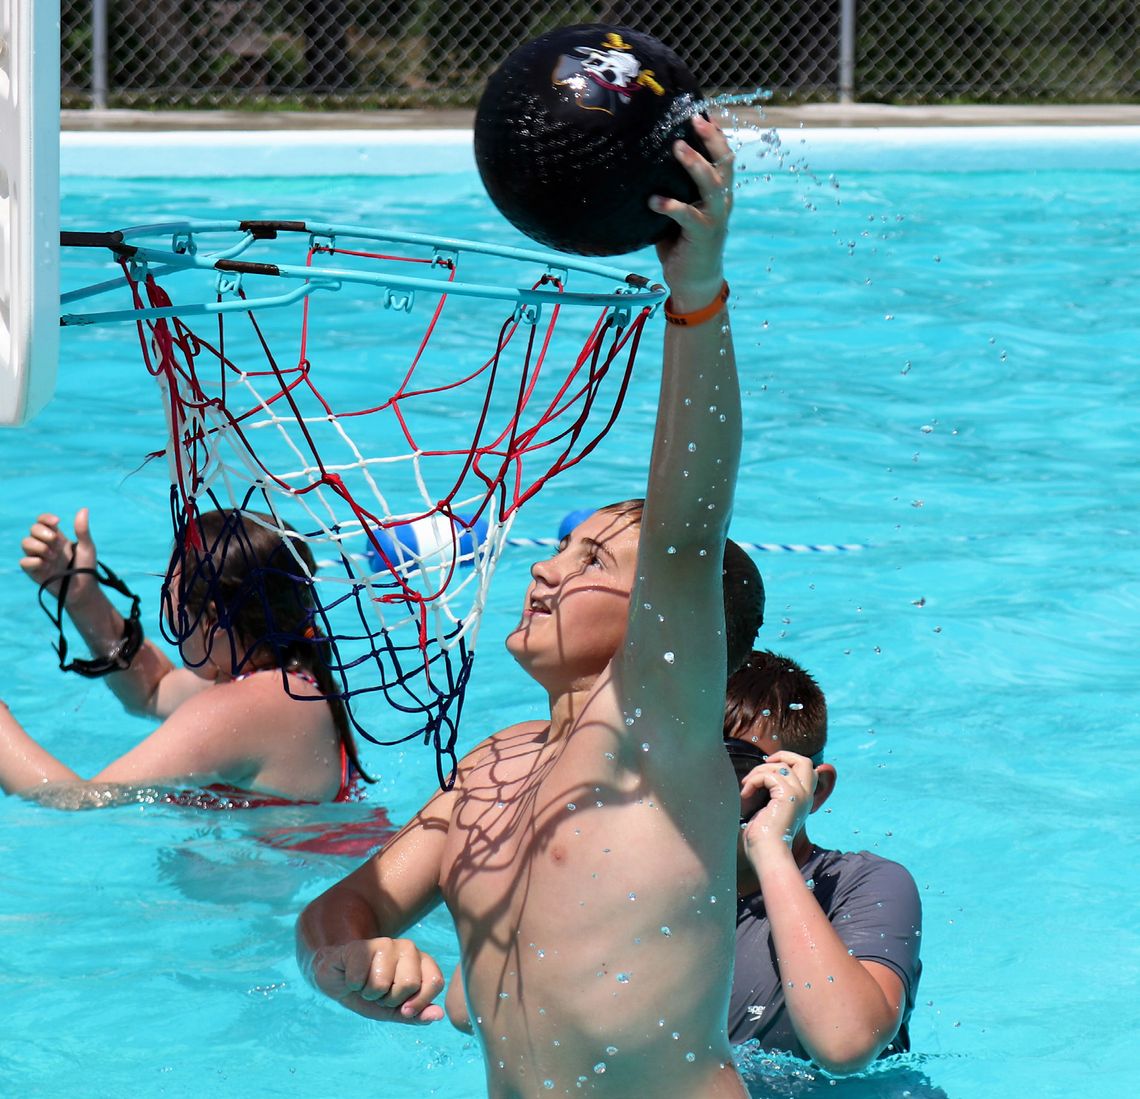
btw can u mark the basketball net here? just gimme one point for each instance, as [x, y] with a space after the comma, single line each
[405, 487]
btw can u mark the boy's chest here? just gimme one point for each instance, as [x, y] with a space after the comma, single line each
[535, 845]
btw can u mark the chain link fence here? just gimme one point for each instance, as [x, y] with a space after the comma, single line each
[358, 54]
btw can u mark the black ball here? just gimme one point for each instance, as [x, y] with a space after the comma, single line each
[574, 132]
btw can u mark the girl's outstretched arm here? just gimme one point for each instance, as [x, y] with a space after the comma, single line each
[152, 686]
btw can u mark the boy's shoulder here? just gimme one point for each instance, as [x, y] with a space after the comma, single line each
[513, 742]
[843, 873]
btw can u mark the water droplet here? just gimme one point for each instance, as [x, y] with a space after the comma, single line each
[665, 931]
[670, 657]
[676, 1036]
[571, 806]
[611, 1050]
[692, 448]
[548, 1084]
[622, 979]
[795, 705]
[671, 549]
[600, 1067]
[690, 1056]
[633, 896]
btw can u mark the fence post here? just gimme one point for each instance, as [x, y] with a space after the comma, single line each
[99, 55]
[846, 51]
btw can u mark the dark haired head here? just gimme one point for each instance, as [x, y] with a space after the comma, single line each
[251, 576]
[772, 694]
[246, 577]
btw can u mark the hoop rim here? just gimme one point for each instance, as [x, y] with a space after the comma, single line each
[182, 255]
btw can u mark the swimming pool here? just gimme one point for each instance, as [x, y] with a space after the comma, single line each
[938, 345]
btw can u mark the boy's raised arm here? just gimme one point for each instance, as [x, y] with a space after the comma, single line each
[675, 642]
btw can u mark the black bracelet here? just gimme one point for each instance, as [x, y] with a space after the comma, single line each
[122, 652]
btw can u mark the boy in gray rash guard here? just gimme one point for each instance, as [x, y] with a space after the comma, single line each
[827, 942]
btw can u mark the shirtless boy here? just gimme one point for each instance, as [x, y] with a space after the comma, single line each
[588, 861]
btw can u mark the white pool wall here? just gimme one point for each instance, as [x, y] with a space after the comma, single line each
[260, 153]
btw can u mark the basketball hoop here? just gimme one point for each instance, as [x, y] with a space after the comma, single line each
[410, 485]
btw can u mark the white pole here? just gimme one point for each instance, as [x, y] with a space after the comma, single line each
[99, 55]
[846, 51]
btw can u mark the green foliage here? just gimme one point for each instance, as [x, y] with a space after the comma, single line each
[998, 50]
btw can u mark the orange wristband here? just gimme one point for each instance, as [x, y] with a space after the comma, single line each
[698, 316]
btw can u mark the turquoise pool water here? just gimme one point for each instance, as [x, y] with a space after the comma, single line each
[938, 341]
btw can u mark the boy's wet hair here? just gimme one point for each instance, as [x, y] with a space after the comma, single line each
[743, 590]
[772, 694]
[743, 603]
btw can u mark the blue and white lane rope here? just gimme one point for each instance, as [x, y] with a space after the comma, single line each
[431, 535]
[748, 547]
[571, 519]
[553, 543]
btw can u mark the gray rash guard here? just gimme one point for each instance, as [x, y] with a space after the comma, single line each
[873, 905]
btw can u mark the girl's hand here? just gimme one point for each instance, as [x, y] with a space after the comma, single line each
[48, 553]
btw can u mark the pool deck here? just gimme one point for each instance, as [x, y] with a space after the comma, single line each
[854, 115]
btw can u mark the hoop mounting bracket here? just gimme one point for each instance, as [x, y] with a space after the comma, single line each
[137, 268]
[182, 243]
[445, 257]
[400, 300]
[621, 315]
[228, 283]
[527, 312]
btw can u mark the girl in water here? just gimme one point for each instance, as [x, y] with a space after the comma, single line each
[253, 718]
